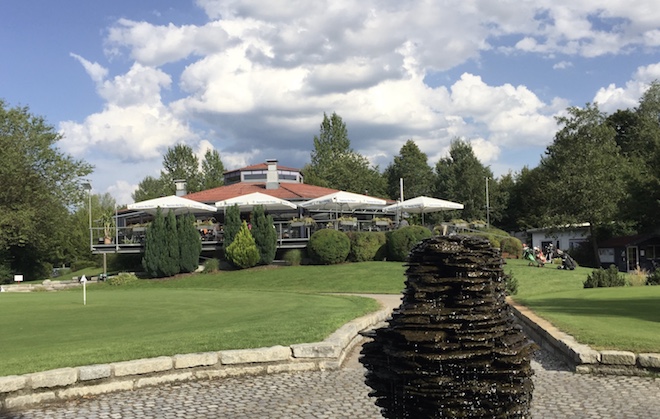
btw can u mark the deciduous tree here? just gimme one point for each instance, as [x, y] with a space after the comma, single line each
[212, 170]
[412, 166]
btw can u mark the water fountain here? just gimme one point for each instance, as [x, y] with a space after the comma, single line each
[452, 349]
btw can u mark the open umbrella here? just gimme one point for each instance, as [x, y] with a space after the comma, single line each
[423, 205]
[249, 201]
[174, 203]
[340, 201]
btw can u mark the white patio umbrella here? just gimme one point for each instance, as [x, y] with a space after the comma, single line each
[340, 201]
[249, 201]
[174, 203]
[423, 205]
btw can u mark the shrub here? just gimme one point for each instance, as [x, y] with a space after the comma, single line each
[190, 245]
[653, 278]
[211, 266]
[637, 277]
[365, 245]
[243, 252]
[512, 246]
[83, 264]
[265, 235]
[154, 246]
[6, 276]
[510, 284]
[601, 278]
[329, 246]
[122, 278]
[232, 224]
[401, 241]
[293, 257]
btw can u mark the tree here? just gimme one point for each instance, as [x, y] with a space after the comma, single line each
[411, 165]
[154, 246]
[212, 170]
[265, 236]
[180, 163]
[39, 185]
[242, 252]
[170, 262]
[583, 171]
[150, 188]
[335, 165]
[462, 178]
[232, 225]
[190, 245]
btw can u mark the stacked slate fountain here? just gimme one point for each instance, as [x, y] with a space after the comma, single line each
[452, 349]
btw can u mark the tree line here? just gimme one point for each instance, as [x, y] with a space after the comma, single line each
[600, 168]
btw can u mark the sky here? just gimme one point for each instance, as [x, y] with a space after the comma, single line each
[123, 80]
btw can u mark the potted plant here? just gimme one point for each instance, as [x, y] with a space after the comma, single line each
[348, 221]
[108, 223]
[381, 221]
[303, 221]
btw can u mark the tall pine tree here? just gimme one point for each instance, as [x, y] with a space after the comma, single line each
[190, 245]
[265, 236]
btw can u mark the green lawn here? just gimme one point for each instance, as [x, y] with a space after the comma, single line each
[279, 306]
[623, 318]
[229, 310]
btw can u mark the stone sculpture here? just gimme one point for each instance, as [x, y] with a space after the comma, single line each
[452, 349]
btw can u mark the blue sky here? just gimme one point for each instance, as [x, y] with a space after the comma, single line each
[124, 80]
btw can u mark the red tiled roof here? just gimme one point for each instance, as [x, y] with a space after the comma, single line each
[289, 191]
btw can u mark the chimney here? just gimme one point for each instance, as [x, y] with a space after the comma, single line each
[180, 187]
[271, 176]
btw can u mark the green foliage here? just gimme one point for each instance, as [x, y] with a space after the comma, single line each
[181, 163]
[653, 278]
[328, 246]
[366, 245]
[211, 266]
[265, 235]
[212, 170]
[412, 166]
[39, 186]
[150, 188]
[401, 241]
[190, 245]
[82, 264]
[512, 246]
[601, 278]
[169, 263]
[293, 257]
[6, 276]
[335, 165]
[154, 246]
[511, 284]
[232, 224]
[122, 278]
[243, 252]
[462, 178]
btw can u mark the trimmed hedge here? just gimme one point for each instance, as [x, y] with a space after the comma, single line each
[367, 245]
[512, 246]
[400, 242]
[328, 246]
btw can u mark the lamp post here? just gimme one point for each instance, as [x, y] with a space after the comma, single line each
[88, 187]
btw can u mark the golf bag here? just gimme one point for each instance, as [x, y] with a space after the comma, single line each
[567, 262]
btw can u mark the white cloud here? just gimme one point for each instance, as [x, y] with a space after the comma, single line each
[612, 98]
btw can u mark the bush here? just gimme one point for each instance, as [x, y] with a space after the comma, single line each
[265, 235]
[211, 266]
[512, 246]
[6, 276]
[601, 278]
[190, 245]
[293, 257]
[653, 278]
[510, 284]
[122, 278]
[400, 242]
[83, 264]
[329, 246]
[243, 252]
[366, 245]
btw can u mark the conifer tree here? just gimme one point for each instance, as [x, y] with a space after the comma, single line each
[170, 256]
[154, 245]
[265, 236]
[242, 252]
[190, 245]
[232, 224]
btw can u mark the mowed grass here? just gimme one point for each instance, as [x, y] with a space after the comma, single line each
[621, 318]
[229, 310]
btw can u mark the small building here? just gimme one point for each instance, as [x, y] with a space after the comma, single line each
[562, 237]
[628, 253]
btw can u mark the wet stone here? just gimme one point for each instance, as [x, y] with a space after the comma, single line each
[452, 349]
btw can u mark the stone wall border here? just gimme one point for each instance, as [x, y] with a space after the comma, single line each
[579, 357]
[22, 391]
